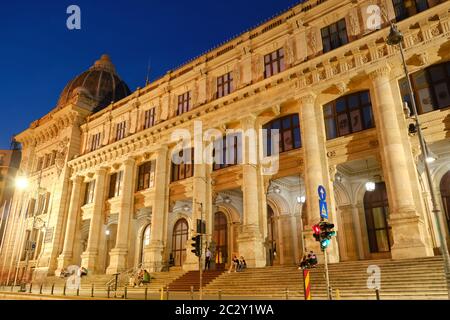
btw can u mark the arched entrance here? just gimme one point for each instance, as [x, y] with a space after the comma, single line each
[272, 235]
[445, 194]
[376, 210]
[220, 238]
[145, 242]
[179, 238]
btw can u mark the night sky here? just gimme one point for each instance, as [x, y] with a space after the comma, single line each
[39, 55]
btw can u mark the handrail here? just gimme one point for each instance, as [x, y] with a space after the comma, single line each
[122, 274]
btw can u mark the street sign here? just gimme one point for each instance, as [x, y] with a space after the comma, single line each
[322, 193]
[323, 209]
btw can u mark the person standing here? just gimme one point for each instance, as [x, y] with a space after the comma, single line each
[207, 259]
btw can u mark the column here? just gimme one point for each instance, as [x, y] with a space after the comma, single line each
[316, 171]
[89, 258]
[67, 254]
[118, 255]
[250, 239]
[153, 253]
[407, 225]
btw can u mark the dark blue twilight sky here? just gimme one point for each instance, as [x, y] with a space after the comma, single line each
[39, 55]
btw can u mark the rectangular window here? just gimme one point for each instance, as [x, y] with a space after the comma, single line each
[120, 130]
[227, 151]
[431, 88]
[31, 207]
[115, 183]
[145, 176]
[46, 202]
[89, 194]
[334, 35]
[224, 85]
[185, 169]
[289, 134]
[95, 141]
[40, 163]
[348, 114]
[274, 63]
[407, 8]
[184, 103]
[52, 162]
[149, 118]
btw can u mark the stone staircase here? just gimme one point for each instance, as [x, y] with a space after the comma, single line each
[401, 279]
[191, 278]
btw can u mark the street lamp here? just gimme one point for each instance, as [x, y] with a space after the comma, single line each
[395, 38]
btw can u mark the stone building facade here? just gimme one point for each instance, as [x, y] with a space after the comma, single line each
[110, 197]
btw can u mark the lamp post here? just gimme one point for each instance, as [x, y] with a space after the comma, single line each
[395, 38]
[22, 183]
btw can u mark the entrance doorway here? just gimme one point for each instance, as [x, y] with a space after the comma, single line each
[376, 209]
[272, 235]
[145, 242]
[179, 238]
[220, 238]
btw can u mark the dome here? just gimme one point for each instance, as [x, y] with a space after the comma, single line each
[100, 82]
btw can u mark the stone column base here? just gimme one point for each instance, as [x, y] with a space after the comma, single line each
[153, 257]
[191, 262]
[64, 260]
[118, 260]
[409, 237]
[251, 247]
[89, 260]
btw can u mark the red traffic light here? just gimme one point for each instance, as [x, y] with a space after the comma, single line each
[316, 228]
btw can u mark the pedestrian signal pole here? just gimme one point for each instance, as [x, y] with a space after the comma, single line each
[323, 233]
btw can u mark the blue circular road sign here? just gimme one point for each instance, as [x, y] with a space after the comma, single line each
[322, 193]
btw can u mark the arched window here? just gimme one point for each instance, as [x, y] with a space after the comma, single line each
[145, 240]
[220, 238]
[376, 208]
[289, 134]
[179, 238]
[348, 114]
[445, 194]
[431, 88]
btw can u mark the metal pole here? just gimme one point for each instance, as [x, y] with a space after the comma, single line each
[438, 213]
[327, 275]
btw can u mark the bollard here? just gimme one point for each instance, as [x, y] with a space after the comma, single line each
[377, 292]
[64, 290]
[192, 292]
[167, 293]
[287, 294]
[220, 294]
[108, 291]
[78, 291]
[40, 289]
[145, 293]
[338, 294]
[125, 292]
[306, 284]
[162, 293]
[92, 291]
[31, 286]
[53, 288]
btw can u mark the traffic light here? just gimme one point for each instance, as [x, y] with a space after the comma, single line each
[197, 241]
[326, 232]
[316, 230]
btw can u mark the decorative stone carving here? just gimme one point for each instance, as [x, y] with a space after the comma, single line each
[61, 154]
[341, 87]
[354, 23]
[308, 98]
[289, 52]
[312, 40]
[331, 154]
[383, 71]
[257, 67]
[237, 75]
